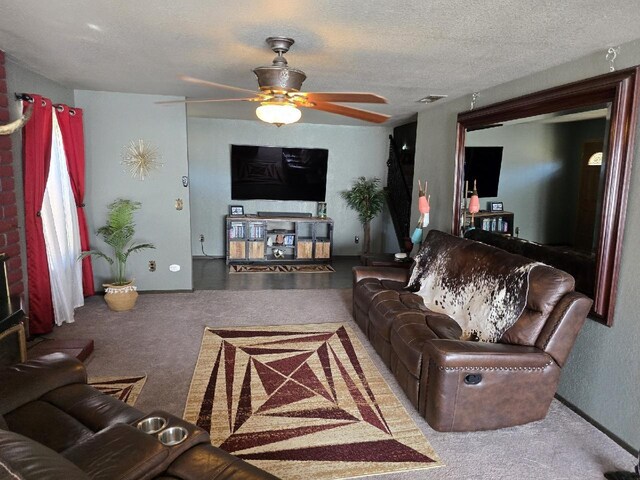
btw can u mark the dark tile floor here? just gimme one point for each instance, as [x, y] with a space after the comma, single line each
[213, 274]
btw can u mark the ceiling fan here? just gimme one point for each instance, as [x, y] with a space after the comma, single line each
[280, 96]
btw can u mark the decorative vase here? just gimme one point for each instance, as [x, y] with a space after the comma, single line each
[120, 298]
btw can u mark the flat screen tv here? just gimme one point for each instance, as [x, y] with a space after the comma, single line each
[483, 165]
[278, 173]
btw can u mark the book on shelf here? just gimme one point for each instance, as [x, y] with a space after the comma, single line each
[256, 230]
[236, 230]
[496, 224]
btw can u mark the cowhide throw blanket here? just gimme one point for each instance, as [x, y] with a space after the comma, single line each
[482, 288]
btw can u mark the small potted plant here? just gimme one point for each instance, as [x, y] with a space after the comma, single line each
[366, 197]
[118, 233]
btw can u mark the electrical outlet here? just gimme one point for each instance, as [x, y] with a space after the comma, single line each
[201, 237]
[356, 239]
[152, 265]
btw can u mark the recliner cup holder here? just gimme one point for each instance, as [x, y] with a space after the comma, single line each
[173, 436]
[152, 425]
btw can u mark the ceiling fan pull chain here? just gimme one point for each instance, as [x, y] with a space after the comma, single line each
[611, 55]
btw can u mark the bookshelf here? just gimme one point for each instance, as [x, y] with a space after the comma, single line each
[259, 239]
[497, 222]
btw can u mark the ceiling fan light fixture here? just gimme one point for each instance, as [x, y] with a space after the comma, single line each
[278, 113]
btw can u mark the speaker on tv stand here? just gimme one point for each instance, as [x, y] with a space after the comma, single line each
[285, 214]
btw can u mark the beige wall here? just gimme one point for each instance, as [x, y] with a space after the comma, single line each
[602, 376]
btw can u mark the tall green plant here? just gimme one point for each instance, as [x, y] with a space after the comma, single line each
[366, 197]
[118, 234]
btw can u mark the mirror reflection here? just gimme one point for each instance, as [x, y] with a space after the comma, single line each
[579, 227]
[540, 179]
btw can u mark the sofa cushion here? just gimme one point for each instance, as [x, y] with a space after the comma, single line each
[47, 425]
[482, 288]
[408, 336]
[91, 407]
[386, 310]
[443, 326]
[24, 459]
[369, 289]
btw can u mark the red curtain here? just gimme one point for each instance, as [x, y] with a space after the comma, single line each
[36, 148]
[70, 121]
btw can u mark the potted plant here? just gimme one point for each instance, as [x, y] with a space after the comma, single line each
[366, 197]
[118, 233]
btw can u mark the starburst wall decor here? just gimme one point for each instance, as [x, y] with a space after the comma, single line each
[140, 158]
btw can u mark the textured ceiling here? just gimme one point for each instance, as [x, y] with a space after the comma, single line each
[403, 50]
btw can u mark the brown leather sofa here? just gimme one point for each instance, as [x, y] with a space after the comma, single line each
[55, 426]
[463, 385]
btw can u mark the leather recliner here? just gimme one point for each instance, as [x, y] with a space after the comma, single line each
[55, 426]
[462, 385]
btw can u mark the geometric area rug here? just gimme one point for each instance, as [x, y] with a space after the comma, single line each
[301, 402]
[126, 389]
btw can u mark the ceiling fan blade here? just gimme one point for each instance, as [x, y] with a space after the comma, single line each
[213, 84]
[344, 97]
[365, 115]
[209, 100]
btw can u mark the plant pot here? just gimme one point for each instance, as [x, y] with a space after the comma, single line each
[120, 298]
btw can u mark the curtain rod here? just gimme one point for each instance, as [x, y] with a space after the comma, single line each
[28, 98]
[24, 96]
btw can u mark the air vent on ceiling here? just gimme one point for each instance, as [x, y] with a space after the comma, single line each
[431, 98]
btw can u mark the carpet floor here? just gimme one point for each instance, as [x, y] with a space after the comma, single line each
[302, 401]
[162, 337]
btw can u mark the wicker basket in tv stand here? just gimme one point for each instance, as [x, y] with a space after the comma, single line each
[260, 239]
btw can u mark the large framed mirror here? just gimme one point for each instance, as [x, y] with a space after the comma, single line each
[562, 177]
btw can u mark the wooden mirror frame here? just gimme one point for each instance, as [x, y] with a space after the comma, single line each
[621, 89]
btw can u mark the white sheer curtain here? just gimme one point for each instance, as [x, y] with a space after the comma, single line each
[61, 234]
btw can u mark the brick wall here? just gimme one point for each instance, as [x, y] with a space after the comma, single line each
[9, 235]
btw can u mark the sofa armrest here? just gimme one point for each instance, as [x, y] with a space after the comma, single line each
[28, 381]
[563, 325]
[206, 461]
[460, 354]
[119, 452]
[380, 273]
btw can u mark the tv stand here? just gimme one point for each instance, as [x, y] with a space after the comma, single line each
[276, 239]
